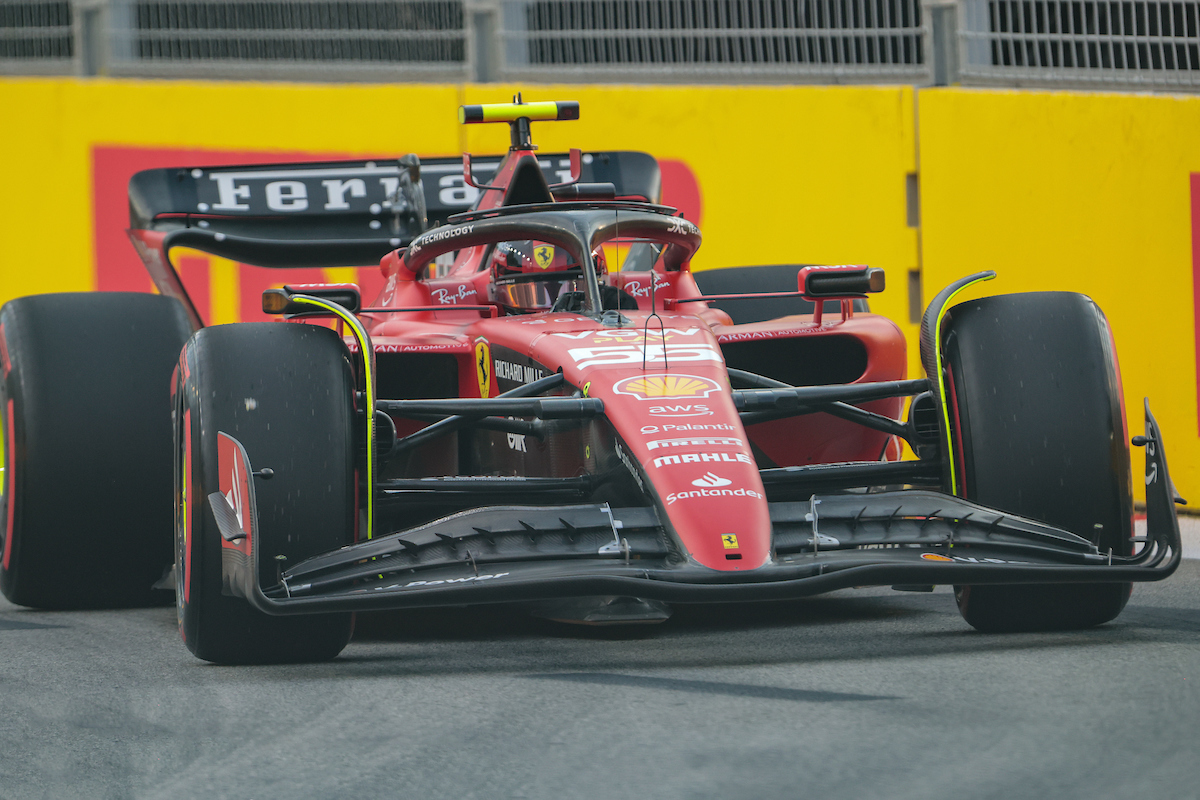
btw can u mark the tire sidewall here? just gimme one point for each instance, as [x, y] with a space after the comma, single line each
[1117, 522]
[84, 403]
[9, 408]
[217, 626]
[1092, 478]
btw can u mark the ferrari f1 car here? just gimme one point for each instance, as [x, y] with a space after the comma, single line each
[545, 405]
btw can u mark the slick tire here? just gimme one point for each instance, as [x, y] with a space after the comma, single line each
[85, 404]
[1038, 429]
[285, 391]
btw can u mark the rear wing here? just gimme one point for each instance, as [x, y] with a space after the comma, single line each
[327, 213]
[336, 213]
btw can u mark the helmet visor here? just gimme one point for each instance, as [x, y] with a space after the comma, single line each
[533, 292]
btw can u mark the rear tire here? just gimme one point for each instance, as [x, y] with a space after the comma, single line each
[1039, 430]
[285, 391]
[87, 431]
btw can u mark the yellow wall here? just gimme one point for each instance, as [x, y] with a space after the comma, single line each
[1081, 192]
[786, 174]
[1084, 192]
[51, 125]
[809, 174]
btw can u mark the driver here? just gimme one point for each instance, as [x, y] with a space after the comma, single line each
[533, 276]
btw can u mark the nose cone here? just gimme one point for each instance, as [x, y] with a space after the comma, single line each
[722, 517]
[685, 435]
[666, 393]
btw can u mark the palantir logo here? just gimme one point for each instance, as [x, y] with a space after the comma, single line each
[711, 481]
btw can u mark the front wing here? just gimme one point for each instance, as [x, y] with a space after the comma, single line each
[518, 553]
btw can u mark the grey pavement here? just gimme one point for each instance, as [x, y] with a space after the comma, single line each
[859, 694]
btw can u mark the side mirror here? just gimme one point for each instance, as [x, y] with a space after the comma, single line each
[279, 301]
[849, 280]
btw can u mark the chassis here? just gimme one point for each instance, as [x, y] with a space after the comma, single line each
[638, 445]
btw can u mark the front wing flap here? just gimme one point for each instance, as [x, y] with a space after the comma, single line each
[517, 553]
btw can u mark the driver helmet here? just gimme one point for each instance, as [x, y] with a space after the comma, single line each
[532, 276]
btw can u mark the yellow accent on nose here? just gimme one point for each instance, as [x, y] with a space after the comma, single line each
[729, 540]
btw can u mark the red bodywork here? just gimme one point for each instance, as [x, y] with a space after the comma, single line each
[662, 376]
[663, 382]
[646, 479]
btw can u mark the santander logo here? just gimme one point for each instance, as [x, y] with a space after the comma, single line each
[711, 481]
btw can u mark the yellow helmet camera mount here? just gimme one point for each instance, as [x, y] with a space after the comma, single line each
[518, 114]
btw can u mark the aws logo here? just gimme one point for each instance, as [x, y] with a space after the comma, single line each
[666, 387]
[681, 410]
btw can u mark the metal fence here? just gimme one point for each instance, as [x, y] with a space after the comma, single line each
[714, 40]
[307, 39]
[37, 36]
[585, 40]
[1126, 43]
[1131, 44]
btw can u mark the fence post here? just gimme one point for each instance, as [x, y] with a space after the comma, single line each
[483, 30]
[941, 40]
[91, 36]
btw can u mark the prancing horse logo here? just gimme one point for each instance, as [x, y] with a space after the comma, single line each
[483, 363]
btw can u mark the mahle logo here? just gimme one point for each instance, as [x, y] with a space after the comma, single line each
[666, 387]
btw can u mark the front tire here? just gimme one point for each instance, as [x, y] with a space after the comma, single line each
[1039, 430]
[285, 391]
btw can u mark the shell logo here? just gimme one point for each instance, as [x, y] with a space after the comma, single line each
[935, 557]
[666, 387]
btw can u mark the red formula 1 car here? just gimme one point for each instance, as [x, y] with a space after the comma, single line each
[545, 405]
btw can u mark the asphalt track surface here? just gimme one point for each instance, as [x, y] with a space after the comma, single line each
[858, 694]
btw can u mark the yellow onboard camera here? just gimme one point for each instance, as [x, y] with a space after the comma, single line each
[518, 114]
